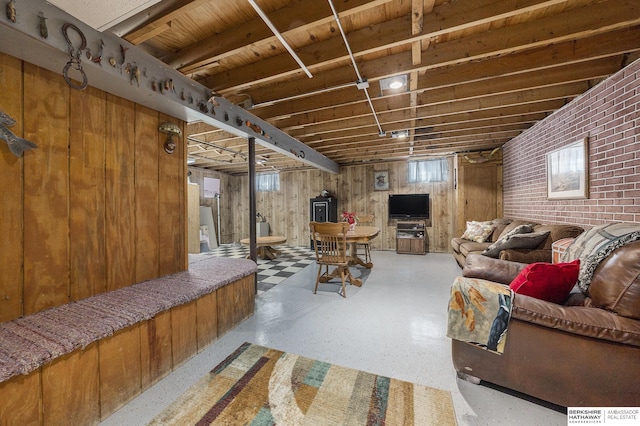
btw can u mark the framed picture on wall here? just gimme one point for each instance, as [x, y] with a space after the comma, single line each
[381, 180]
[568, 171]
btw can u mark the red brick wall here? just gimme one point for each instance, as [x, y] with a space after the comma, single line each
[609, 116]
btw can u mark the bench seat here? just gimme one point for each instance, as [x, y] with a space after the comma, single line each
[206, 301]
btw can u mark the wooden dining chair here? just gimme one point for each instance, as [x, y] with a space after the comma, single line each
[330, 244]
[365, 220]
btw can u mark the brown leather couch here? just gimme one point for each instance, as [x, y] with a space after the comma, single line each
[543, 253]
[585, 353]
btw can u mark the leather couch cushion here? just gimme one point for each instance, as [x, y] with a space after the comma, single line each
[557, 232]
[488, 268]
[547, 281]
[615, 285]
[581, 320]
[473, 247]
[526, 255]
[455, 243]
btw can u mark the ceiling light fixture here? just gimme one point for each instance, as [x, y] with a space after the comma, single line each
[400, 134]
[392, 83]
[279, 37]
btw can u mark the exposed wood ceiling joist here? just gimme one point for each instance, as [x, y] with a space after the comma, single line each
[480, 72]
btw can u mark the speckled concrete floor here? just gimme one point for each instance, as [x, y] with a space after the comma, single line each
[394, 325]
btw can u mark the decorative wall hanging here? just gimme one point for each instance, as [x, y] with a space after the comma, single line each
[42, 25]
[170, 129]
[567, 171]
[16, 145]
[74, 57]
[381, 180]
[11, 11]
[98, 57]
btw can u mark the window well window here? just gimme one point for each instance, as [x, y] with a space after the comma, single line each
[434, 170]
[266, 182]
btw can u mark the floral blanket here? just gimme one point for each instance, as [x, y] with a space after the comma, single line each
[479, 313]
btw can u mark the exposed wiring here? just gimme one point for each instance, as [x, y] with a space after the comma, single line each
[216, 146]
[355, 67]
[279, 37]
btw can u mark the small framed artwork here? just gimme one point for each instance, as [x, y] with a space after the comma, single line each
[568, 172]
[381, 180]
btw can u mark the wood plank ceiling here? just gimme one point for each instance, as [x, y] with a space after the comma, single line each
[479, 72]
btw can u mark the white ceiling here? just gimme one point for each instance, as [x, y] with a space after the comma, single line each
[100, 14]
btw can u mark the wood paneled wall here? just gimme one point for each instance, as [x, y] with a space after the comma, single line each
[229, 187]
[97, 206]
[479, 188]
[287, 210]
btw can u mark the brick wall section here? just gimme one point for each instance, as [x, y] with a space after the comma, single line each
[609, 116]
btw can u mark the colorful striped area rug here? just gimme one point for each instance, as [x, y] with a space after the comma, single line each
[261, 386]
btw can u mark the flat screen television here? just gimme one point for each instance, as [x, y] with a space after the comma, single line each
[409, 206]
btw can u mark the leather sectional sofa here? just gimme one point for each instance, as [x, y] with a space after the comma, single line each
[582, 353]
[462, 247]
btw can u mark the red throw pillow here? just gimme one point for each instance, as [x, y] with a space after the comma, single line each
[547, 281]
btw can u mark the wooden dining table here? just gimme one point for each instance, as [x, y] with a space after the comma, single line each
[359, 235]
[264, 246]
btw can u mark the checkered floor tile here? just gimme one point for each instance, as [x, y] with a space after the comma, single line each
[270, 272]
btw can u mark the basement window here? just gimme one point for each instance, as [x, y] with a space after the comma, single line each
[268, 182]
[435, 170]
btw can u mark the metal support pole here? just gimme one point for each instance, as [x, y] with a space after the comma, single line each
[218, 203]
[253, 251]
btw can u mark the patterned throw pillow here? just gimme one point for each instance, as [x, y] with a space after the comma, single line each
[478, 231]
